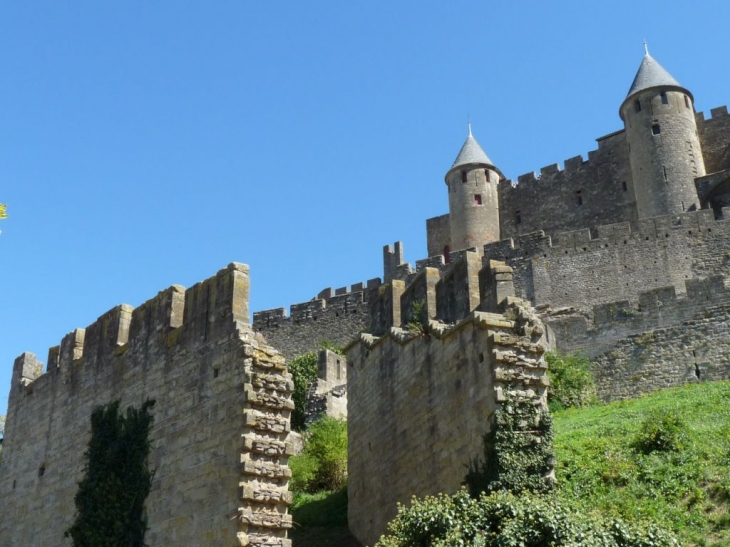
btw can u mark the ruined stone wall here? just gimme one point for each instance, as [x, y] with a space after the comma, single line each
[714, 133]
[583, 270]
[221, 417]
[335, 316]
[419, 405]
[584, 194]
[689, 352]
[327, 393]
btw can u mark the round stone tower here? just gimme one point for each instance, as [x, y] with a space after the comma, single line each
[473, 201]
[664, 148]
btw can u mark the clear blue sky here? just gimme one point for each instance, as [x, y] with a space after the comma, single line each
[144, 144]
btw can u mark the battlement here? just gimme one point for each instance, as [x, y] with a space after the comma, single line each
[458, 374]
[600, 328]
[343, 299]
[715, 114]
[447, 295]
[208, 310]
[222, 405]
[548, 173]
[621, 233]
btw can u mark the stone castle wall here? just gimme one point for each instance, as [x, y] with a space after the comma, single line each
[419, 405]
[582, 194]
[691, 351]
[595, 331]
[221, 417]
[714, 133]
[583, 269]
[336, 316]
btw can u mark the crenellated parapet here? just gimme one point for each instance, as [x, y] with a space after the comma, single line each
[713, 133]
[335, 316]
[584, 268]
[447, 295]
[596, 330]
[221, 419]
[420, 401]
[584, 192]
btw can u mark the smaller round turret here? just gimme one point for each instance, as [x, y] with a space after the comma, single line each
[473, 200]
[664, 149]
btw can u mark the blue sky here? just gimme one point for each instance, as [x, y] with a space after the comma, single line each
[144, 144]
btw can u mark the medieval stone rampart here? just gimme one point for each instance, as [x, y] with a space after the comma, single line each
[691, 351]
[713, 133]
[419, 403]
[582, 194]
[221, 418]
[595, 331]
[335, 315]
[585, 268]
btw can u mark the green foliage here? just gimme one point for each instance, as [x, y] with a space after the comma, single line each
[637, 460]
[503, 519]
[110, 499]
[303, 370]
[518, 450]
[571, 381]
[418, 320]
[661, 431]
[323, 463]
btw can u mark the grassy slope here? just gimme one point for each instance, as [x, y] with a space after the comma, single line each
[687, 491]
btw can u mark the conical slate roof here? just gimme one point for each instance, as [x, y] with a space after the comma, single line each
[651, 74]
[471, 152]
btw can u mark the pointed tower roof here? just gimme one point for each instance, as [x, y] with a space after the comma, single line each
[471, 152]
[651, 74]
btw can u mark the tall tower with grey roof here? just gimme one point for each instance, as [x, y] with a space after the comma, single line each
[473, 201]
[664, 148]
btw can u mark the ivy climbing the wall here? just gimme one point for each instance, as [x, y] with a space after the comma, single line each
[518, 450]
[110, 499]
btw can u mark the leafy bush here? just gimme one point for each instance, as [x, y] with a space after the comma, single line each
[502, 519]
[571, 381]
[661, 431]
[110, 499]
[323, 463]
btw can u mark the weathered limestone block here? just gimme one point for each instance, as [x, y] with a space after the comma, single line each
[268, 400]
[266, 421]
[265, 469]
[267, 447]
[259, 494]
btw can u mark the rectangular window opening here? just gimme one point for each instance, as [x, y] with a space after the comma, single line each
[463, 176]
[518, 218]
[686, 101]
[579, 198]
[655, 129]
[623, 185]
[477, 199]
[637, 105]
[664, 98]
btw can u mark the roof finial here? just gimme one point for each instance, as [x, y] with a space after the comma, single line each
[646, 47]
[468, 123]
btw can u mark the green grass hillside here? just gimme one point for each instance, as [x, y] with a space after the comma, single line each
[663, 458]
